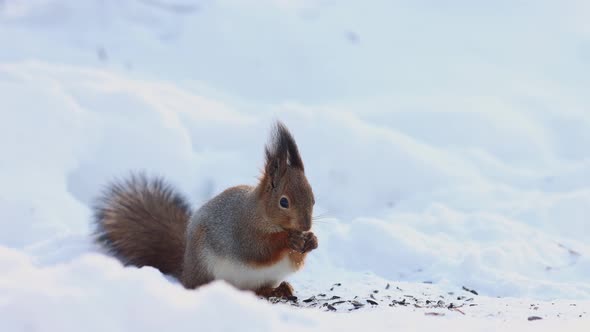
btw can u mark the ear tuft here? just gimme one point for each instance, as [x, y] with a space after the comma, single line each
[282, 149]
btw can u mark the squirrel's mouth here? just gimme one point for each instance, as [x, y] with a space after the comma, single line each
[303, 227]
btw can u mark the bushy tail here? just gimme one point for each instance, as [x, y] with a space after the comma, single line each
[142, 222]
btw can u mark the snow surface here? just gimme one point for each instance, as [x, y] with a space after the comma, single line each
[447, 146]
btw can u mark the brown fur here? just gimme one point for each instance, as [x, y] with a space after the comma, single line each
[292, 243]
[284, 176]
[275, 247]
[143, 222]
[285, 290]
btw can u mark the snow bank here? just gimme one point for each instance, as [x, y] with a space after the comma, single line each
[96, 293]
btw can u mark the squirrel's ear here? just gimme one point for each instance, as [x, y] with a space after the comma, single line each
[281, 152]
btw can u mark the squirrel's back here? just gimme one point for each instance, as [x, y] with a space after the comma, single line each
[143, 222]
[228, 218]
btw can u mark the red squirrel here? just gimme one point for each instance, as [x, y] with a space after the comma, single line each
[250, 236]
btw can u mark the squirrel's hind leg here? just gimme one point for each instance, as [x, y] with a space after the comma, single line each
[284, 290]
[194, 271]
[195, 276]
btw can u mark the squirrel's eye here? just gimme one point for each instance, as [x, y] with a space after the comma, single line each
[284, 202]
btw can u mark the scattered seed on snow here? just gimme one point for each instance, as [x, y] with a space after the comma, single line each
[470, 290]
[310, 299]
[372, 302]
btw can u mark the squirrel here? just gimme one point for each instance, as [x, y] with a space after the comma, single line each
[249, 236]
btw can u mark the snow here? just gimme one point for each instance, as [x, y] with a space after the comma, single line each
[444, 149]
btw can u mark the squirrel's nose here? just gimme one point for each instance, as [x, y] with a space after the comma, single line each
[305, 224]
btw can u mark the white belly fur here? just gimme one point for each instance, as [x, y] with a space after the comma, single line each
[244, 276]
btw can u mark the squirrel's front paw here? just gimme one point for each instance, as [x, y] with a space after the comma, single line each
[296, 240]
[311, 242]
[302, 242]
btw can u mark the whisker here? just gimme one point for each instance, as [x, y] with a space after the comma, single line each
[323, 218]
[325, 214]
[319, 217]
[324, 221]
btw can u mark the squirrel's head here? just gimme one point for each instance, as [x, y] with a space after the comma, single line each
[286, 194]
